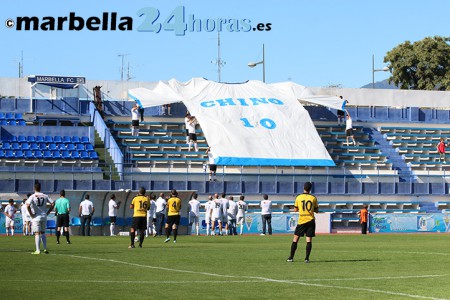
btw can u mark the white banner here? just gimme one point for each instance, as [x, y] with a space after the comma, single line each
[253, 124]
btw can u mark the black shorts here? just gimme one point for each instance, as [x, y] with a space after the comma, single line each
[349, 132]
[340, 113]
[139, 223]
[308, 229]
[193, 137]
[213, 168]
[187, 132]
[112, 220]
[173, 220]
[62, 220]
[135, 123]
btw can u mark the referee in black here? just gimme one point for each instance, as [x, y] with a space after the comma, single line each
[62, 209]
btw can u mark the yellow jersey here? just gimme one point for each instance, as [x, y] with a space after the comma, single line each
[140, 205]
[306, 205]
[174, 206]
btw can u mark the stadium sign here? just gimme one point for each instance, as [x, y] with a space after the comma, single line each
[56, 79]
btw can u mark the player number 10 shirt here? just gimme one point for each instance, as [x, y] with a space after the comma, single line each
[307, 205]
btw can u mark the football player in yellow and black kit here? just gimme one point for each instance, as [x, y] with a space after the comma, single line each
[173, 216]
[306, 205]
[140, 205]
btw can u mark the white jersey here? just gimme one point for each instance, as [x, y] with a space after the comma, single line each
[186, 122]
[225, 205]
[266, 207]
[24, 211]
[152, 210]
[208, 208]
[38, 204]
[232, 210]
[87, 207]
[194, 208]
[211, 157]
[11, 211]
[112, 205]
[216, 209]
[348, 124]
[242, 207]
[190, 126]
[135, 114]
[161, 205]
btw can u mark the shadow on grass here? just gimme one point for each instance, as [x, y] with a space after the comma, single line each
[345, 260]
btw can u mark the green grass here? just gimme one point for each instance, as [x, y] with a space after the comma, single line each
[249, 267]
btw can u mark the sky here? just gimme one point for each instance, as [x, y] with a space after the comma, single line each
[313, 43]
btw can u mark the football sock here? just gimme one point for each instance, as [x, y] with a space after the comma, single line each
[132, 236]
[167, 232]
[57, 233]
[293, 249]
[190, 146]
[241, 228]
[196, 147]
[66, 233]
[175, 233]
[37, 241]
[111, 229]
[12, 231]
[196, 228]
[207, 229]
[308, 250]
[44, 240]
[141, 237]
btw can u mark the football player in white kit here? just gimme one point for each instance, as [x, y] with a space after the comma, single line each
[216, 215]
[242, 207]
[26, 219]
[225, 205]
[151, 218]
[231, 213]
[10, 213]
[37, 208]
[194, 212]
[208, 212]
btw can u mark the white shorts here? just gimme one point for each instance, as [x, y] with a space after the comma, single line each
[214, 218]
[240, 220]
[9, 222]
[38, 224]
[26, 218]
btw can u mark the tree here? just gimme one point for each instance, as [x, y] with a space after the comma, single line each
[422, 65]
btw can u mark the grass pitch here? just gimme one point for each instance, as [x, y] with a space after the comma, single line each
[244, 267]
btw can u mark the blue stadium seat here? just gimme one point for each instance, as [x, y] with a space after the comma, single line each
[47, 154]
[42, 146]
[22, 123]
[89, 147]
[28, 154]
[40, 139]
[61, 146]
[9, 154]
[21, 139]
[76, 139]
[51, 224]
[67, 139]
[12, 123]
[65, 154]
[57, 139]
[31, 138]
[97, 221]
[52, 147]
[18, 116]
[70, 147]
[15, 146]
[75, 154]
[93, 155]
[19, 154]
[9, 116]
[33, 146]
[3, 123]
[85, 140]
[13, 138]
[80, 147]
[75, 221]
[48, 139]
[25, 146]
[84, 155]
[2, 153]
[38, 154]
[56, 154]
[2, 116]
[6, 145]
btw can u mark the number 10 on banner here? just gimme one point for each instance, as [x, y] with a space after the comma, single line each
[266, 123]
